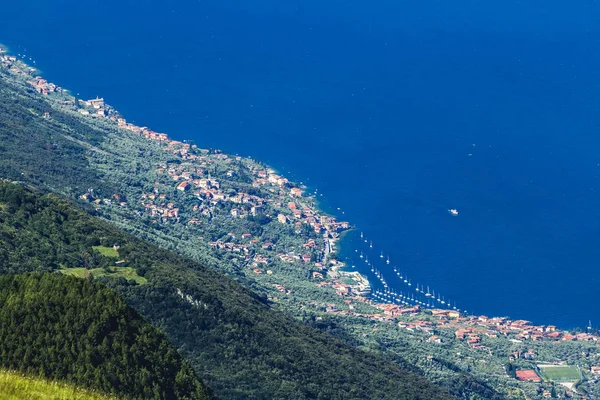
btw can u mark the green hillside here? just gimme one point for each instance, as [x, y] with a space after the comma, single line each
[236, 343]
[68, 329]
[15, 386]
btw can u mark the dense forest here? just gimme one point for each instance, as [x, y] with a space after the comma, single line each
[68, 329]
[234, 340]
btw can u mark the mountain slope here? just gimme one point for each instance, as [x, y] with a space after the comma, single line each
[69, 329]
[236, 343]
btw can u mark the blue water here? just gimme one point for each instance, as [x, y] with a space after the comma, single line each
[396, 111]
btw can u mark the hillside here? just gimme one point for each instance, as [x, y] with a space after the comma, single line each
[68, 329]
[237, 216]
[15, 386]
[236, 343]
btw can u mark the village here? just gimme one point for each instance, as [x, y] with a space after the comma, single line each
[288, 205]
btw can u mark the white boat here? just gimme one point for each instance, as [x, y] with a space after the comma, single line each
[453, 211]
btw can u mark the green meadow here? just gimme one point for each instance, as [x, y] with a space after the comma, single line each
[106, 251]
[560, 373]
[113, 272]
[15, 386]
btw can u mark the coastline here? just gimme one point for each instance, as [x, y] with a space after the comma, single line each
[183, 150]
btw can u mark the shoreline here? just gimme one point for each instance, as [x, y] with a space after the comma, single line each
[46, 88]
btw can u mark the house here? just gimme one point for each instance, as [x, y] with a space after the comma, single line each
[296, 192]
[595, 370]
[282, 219]
[96, 103]
[554, 335]
[183, 186]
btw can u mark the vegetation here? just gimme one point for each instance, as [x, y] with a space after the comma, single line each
[69, 329]
[127, 273]
[236, 343]
[48, 153]
[107, 251]
[560, 373]
[15, 386]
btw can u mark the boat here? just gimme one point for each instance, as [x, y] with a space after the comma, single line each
[371, 244]
[362, 235]
[453, 211]
[388, 261]
[381, 256]
[428, 294]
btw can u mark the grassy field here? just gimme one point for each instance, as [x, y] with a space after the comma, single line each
[114, 272]
[560, 373]
[107, 251]
[14, 386]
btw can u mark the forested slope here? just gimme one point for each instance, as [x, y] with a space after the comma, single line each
[236, 343]
[68, 329]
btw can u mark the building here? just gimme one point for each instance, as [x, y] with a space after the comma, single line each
[96, 103]
[282, 218]
[183, 186]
